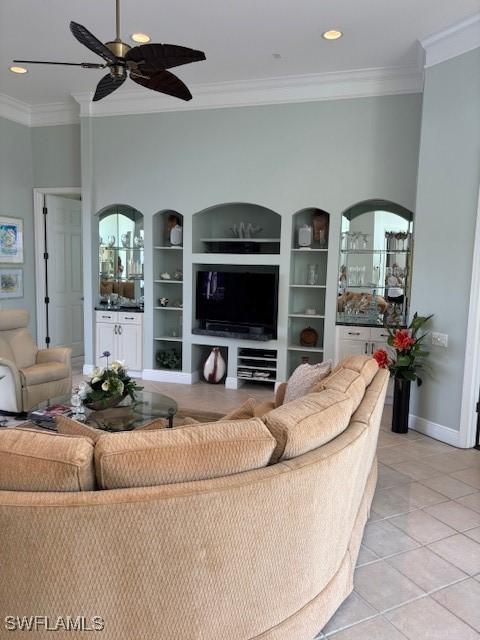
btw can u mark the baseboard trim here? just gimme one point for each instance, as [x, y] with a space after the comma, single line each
[176, 377]
[434, 430]
[231, 383]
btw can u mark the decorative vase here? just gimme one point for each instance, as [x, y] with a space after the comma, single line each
[308, 337]
[305, 236]
[401, 405]
[105, 403]
[214, 368]
[176, 235]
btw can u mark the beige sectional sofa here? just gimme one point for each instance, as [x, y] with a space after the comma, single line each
[235, 530]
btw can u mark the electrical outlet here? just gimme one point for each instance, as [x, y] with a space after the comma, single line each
[439, 339]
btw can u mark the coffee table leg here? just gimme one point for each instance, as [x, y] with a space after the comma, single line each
[171, 413]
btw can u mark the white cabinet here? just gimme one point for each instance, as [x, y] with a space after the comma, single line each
[352, 341]
[121, 334]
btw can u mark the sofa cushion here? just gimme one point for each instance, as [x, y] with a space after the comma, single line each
[366, 366]
[304, 378]
[33, 460]
[243, 412]
[45, 372]
[346, 381]
[308, 423]
[166, 456]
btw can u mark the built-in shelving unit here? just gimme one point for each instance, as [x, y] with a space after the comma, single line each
[308, 283]
[167, 318]
[257, 365]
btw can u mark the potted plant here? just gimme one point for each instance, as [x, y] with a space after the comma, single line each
[109, 385]
[408, 360]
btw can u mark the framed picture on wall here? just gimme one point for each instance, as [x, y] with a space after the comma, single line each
[11, 283]
[11, 240]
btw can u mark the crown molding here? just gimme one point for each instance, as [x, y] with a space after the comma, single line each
[16, 110]
[54, 113]
[358, 83]
[459, 38]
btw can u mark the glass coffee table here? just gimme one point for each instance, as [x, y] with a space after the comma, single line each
[126, 416]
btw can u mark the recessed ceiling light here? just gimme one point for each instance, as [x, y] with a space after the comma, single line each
[140, 37]
[332, 34]
[18, 69]
[277, 56]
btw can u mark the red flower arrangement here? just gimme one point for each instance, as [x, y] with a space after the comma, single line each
[409, 353]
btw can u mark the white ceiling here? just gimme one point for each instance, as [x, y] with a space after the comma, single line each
[238, 37]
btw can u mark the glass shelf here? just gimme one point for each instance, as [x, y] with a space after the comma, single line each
[104, 246]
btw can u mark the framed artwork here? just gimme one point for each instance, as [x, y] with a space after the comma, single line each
[11, 283]
[11, 240]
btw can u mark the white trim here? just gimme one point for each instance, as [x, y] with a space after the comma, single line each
[471, 371]
[453, 41]
[88, 369]
[231, 382]
[54, 113]
[434, 430]
[38, 195]
[177, 377]
[356, 83]
[16, 110]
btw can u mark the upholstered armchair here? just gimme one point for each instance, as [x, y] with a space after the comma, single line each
[29, 375]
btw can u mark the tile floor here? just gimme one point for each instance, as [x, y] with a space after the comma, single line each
[418, 573]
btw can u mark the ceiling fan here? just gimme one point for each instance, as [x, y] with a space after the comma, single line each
[147, 64]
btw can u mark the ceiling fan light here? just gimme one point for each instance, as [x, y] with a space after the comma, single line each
[141, 38]
[332, 34]
[19, 70]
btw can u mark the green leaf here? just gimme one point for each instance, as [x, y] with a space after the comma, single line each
[409, 375]
[403, 361]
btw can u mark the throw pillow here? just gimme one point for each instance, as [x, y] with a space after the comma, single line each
[71, 427]
[243, 412]
[304, 378]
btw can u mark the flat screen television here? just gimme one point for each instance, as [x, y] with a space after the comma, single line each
[238, 299]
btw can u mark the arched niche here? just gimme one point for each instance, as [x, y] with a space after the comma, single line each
[375, 258]
[120, 256]
[223, 227]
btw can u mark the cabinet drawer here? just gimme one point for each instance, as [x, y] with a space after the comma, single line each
[129, 318]
[106, 316]
[379, 335]
[354, 333]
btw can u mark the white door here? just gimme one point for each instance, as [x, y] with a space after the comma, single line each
[130, 346]
[65, 274]
[105, 340]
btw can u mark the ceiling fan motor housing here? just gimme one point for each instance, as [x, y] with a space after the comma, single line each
[118, 48]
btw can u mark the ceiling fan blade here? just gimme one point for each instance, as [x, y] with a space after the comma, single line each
[86, 38]
[163, 56]
[107, 85]
[85, 65]
[164, 82]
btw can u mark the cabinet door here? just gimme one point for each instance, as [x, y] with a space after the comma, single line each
[130, 346]
[351, 348]
[106, 340]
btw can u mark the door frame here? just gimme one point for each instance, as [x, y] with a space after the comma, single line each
[471, 371]
[40, 285]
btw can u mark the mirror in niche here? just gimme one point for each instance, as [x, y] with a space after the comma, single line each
[121, 257]
[375, 264]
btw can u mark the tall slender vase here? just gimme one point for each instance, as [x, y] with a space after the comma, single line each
[401, 405]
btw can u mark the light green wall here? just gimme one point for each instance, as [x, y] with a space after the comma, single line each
[448, 182]
[56, 156]
[16, 201]
[328, 154]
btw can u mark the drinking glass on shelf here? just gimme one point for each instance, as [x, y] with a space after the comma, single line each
[344, 240]
[365, 237]
[362, 276]
[312, 274]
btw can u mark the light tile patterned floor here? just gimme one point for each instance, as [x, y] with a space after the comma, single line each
[418, 575]
[418, 571]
